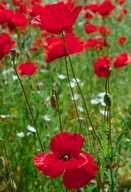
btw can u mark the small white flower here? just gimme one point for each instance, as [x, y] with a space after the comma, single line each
[5, 72]
[61, 76]
[101, 94]
[78, 80]
[28, 133]
[20, 134]
[80, 108]
[72, 84]
[46, 118]
[14, 77]
[76, 97]
[31, 129]
[4, 116]
[103, 112]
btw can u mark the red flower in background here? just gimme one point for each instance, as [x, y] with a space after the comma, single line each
[6, 44]
[121, 60]
[20, 19]
[104, 30]
[121, 40]
[105, 8]
[66, 157]
[122, 13]
[55, 47]
[56, 18]
[92, 7]
[89, 16]
[6, 15]
[27, 68]
[96, 42]
[120, 2]
[102, 66]
[90, 28]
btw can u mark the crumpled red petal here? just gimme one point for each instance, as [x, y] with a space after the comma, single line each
[44, 164]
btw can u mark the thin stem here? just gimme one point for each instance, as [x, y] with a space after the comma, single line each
[72, 93]
[58, 109]
[80, 90]
[28, 104]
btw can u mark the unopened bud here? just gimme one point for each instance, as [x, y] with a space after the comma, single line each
[2, 163]
[108, 99]
[53, 99]
[13, 53]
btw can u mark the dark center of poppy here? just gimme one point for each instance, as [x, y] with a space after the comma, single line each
[66, 157]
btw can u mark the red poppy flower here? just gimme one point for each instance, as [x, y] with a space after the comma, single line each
[6, 44]
[6, 15]
[89, 16]
[102, 66]
[66, 157]
[120, 2]
[92, 7]
[19, 19]
[55, 47]
[28, 68]
[104, 30]
[121, 40]
[90, 28]
[121, 60]
[105, 8]
[96, 42]
[56, 18]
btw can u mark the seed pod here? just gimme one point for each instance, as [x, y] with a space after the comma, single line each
[107, 99]
[53, 101]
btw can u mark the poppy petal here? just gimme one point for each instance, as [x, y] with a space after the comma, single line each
[78, 177]
[44, 164]
[66, 144]
[27, 68]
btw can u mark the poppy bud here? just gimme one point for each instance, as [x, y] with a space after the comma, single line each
[107, 99]
[2, 163]
[53, 101]
[13, 53]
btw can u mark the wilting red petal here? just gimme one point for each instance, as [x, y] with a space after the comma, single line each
[44, 164]
[58, 17]
[66, 144]
[78, 177]
[27, 68]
